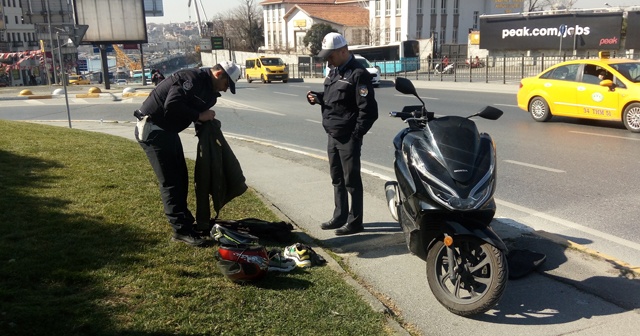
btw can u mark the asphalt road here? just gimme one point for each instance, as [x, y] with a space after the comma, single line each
[571, 177]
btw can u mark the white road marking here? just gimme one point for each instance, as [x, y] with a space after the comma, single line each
[233, 104]
[286, 94]
[302, 86]
[605, 135]
[314, 121]
[507, 105]
[36, 102]
[535, 166]
[402, 95]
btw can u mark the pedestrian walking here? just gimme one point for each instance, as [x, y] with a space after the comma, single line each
[184, 98]
[349, 109]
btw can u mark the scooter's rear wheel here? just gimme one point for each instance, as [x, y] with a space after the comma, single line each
[472, 283]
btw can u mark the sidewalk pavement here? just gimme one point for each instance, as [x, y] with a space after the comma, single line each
[580, 292]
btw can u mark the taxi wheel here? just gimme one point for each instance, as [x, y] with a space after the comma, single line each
[631, 117]
[249, 79]
[264, 80]
[539, 109]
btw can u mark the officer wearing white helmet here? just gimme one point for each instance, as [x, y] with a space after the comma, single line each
[349, 109]
[183, 98]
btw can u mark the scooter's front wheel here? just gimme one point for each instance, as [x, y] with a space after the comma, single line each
[473, 282]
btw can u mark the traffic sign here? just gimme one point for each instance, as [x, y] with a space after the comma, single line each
[82, 65]
[205, 44]
[96, 49]
[217, 42]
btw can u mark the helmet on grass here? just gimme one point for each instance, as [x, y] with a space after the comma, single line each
[242, 264]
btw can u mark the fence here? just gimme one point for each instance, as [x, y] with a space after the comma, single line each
[494, 69]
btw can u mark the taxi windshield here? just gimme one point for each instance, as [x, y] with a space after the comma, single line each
[272, 61]
[630, 71]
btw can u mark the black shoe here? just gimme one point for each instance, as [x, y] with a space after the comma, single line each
[192, 239]
[348, 229]
[330, 225]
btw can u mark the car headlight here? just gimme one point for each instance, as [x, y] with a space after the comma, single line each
[445, 195]
[268, 70]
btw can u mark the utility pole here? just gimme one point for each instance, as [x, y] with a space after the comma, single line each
[53, 59]
[197, 16]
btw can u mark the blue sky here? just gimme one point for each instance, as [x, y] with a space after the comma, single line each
[177, 10]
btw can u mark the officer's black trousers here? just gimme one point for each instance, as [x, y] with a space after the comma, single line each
[165, 153]
[344, 168]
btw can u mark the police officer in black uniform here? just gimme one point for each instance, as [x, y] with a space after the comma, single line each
[349, 109]
[185, 97]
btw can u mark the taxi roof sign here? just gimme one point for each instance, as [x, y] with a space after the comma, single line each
[604, 54]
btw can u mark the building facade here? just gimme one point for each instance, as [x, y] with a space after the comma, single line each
[281, 32]
[15, 33]
[444, 21]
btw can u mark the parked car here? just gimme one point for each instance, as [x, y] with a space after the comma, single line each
[600, 89]
[78, 80]
[374, 71]
[121, 82]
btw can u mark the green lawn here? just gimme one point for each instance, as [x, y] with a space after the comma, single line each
[85, 250]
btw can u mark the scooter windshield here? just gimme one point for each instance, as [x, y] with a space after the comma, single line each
[457, 141]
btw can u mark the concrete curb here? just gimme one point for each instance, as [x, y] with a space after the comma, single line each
[632, 271]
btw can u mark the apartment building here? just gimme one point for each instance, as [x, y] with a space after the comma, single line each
[16, 34]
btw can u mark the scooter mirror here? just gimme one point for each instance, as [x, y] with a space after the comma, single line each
[405, 86]
[490, 113]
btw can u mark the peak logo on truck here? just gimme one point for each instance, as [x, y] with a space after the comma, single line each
[568, 31]
[609, 41]
[562, 31]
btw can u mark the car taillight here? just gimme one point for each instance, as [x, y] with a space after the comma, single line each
[520, 85]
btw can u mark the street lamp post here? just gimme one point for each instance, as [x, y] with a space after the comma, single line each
[64, 79]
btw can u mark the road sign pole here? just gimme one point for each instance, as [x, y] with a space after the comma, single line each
[144, 74]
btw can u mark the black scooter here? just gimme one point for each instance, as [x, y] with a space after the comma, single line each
[443, 200]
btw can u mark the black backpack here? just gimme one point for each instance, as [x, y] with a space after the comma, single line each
[274, 231]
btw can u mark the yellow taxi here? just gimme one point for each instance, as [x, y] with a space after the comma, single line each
[78, 80]
[603, 89]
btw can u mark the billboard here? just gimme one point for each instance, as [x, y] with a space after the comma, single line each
[600, 31]
[633, 30]
[112, 21]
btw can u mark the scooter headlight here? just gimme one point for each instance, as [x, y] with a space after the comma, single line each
[446, 196]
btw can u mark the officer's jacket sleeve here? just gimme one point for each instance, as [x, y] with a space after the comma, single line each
[178, 103]
[366, 102]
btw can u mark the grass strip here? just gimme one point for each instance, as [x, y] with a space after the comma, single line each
[85, 250]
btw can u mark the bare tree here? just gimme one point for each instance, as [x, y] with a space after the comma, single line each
[242, 26]
[532, 6]
[557, 4]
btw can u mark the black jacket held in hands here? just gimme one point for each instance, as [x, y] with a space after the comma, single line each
[178, 100]
[217, 173]
[349, 107]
